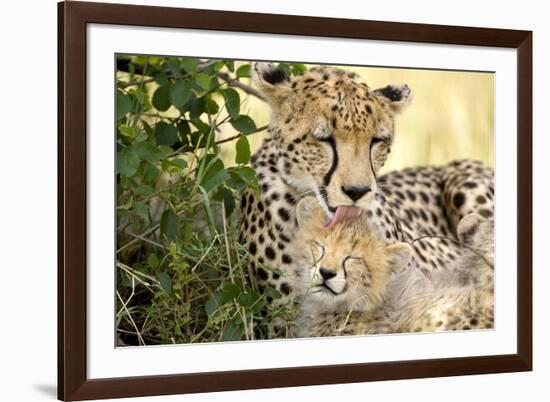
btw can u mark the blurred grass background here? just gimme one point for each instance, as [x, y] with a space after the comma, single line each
[451, 116]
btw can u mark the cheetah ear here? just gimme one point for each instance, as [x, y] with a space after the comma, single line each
[309, 214]
[396, 96]
[273, 82]
[468, 228]
[399, 255]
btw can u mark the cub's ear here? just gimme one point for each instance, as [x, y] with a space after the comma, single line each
[309, 214]
[273, 82]
[399, 255]
[397, 96]
[468, 228]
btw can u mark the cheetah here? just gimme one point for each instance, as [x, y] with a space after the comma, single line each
[360, 285]
[328, 137]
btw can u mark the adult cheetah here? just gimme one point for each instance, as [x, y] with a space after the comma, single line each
[329, 136]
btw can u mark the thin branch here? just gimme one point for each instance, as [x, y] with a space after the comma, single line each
[140, 338]
[238, 135]
[227, 245]
[123, 65]
[238, 84]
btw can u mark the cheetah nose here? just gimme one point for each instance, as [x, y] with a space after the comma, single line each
[326, 274]
[354, 192]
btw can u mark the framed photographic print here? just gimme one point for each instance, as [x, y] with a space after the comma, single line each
[253, 200]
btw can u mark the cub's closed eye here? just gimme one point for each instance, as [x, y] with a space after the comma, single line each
[349, 257]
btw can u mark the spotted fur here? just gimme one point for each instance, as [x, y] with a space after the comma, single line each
[328, 137]
[459, 298]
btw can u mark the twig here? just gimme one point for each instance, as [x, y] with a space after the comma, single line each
[231, 278]
[146, 233]
[123, 65]
[262, 128]
[130, 271]
[238, 84]
[206, 253]
[131, 319]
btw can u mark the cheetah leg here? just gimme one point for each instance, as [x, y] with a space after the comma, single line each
[468, 186]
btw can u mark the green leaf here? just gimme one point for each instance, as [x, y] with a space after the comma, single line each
[161, 98]
[248, 175]
[243, 124]
[126, 206]
[230, 291]
[230, 65]
[174, 67]
[143, 99]
[141, 210]
[243, 150]
[151, 153]
[146, 127]
[273, 293]
[166, 134]
[127, 162]
[160, 78]
[249, 299]
[232, 332]
[213, 303]
[195, 106]
[127, 131]
[244, 71]
[203, 80]
[214, 181]
[298, 69]
[150, 173]
[210, 105]
[190, 65]
[180, 93]
[232, 102]
[153, 260]
[169, 224]
[123, 104]
[165, 281]
[228, 201]
[178, 163]
[236, 182]
[214, 176]
[183, 128]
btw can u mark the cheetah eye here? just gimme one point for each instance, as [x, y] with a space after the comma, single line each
[377, 140]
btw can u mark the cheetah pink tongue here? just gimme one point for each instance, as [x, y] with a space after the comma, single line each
[343, 212]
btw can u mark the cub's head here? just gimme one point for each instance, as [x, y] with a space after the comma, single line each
[349, 264]
[333, 132]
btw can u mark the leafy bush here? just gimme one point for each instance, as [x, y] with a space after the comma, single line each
[181, 273]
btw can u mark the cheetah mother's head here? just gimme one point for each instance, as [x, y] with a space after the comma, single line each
[333, 133]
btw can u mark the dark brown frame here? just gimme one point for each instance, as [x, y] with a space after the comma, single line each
[73, 383]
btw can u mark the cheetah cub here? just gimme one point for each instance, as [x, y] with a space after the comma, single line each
[360, 285]
[461, 298]
[348, 272]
